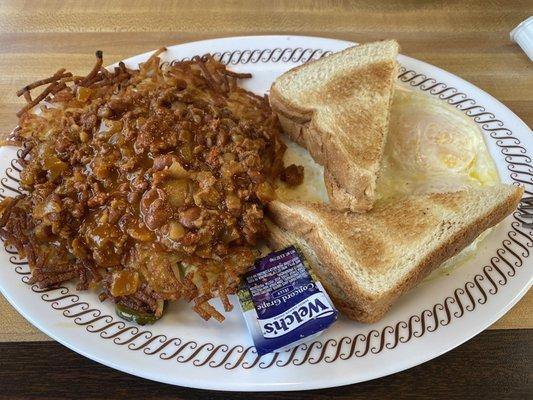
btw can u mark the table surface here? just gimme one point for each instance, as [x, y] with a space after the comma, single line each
[469, 39]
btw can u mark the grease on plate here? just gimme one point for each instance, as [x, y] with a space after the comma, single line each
[431, 147]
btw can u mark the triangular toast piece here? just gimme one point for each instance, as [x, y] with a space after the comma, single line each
[338, 108]
[366, 261]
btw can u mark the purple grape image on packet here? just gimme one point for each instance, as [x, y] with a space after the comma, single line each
[283, 303]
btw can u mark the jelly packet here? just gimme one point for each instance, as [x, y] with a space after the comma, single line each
[283, 303]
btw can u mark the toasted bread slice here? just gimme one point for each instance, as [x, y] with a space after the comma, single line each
[338, 108]
[366, 261]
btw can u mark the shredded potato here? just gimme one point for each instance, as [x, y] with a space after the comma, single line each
[147, 183]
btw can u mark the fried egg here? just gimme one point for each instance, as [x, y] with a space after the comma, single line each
[431, 147]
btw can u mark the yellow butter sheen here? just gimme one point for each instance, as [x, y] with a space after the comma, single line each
[431, 147]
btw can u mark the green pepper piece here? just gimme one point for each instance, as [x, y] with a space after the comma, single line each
[139, 317]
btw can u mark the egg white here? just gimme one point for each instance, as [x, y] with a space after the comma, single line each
[431, 147]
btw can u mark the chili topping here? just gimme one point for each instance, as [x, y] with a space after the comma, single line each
[148, 183]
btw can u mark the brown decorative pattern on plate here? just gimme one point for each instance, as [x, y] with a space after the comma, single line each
[470, 296]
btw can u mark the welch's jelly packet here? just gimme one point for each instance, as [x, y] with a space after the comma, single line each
[283, 303]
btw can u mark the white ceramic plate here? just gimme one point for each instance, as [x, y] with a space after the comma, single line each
[434, 318]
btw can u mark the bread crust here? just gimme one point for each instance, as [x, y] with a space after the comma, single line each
[352, 299]
[450, 248]
[279, 238]
[360, 200]
[350, 179]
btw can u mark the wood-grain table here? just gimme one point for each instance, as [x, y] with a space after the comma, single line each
[469, 39]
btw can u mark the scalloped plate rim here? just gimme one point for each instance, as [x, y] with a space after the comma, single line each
[302, 384]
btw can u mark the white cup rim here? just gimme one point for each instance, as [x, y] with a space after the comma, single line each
[521, 28]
